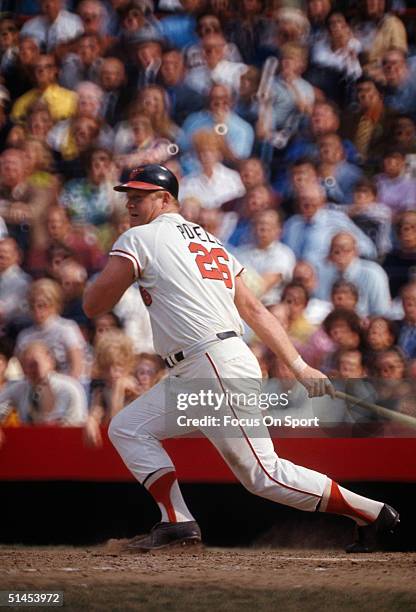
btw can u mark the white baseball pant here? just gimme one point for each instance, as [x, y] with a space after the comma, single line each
[137, 430]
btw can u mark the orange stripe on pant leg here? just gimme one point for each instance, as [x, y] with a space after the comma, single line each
[160, 490]
[338, 505]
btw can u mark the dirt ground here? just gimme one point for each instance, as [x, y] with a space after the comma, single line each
[196, 578]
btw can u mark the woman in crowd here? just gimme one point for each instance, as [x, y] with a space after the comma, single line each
[62, 336]
[153, 103]
[340, 330]
[147, 148]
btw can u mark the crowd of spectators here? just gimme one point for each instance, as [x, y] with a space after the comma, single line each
[291, 126]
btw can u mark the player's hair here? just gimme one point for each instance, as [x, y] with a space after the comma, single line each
[114, 348]
[47, 289]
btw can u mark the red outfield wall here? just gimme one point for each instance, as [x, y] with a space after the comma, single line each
[53, 453]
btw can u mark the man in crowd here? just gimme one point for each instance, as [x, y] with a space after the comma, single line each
[271, 260]
[368, 276]
[183, 99]
[309, 233]
[238, 134]
[14, 283]
[43, 396]
[60, 102]
[55, 27]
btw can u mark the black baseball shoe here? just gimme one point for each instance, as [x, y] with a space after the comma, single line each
[164, 535]
[368, 537]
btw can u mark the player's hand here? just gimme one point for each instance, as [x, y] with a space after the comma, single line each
[315, 383]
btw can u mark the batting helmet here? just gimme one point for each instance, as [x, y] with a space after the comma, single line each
[151, 178]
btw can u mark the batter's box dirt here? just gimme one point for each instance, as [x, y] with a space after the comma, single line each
[120, 547]
[214, 579]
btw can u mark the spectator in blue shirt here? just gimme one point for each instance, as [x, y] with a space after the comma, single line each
[179, 29]
[310, 232]
[400, 93]
[183, 100]
[338, 176]
[368, 276]
[238, 134]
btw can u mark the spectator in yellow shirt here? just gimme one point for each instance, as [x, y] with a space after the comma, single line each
[60, 102]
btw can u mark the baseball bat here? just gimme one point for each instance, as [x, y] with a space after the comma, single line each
[397, 417]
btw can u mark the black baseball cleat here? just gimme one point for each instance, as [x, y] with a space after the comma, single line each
[164, 535]
[368, 537]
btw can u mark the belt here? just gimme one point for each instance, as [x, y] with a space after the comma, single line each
[175, 358]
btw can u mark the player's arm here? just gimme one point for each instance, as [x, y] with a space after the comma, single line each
[104, 293]
[269, 330]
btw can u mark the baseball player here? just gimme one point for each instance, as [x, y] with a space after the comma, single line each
[195, 294]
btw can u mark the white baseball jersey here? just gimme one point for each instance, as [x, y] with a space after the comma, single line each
[187, 280]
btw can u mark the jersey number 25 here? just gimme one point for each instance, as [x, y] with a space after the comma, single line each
[212, 264]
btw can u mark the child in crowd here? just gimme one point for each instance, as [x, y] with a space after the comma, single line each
[381, 335]
[394, 188]
[344, 294]
[114, 385]
[296, 297]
